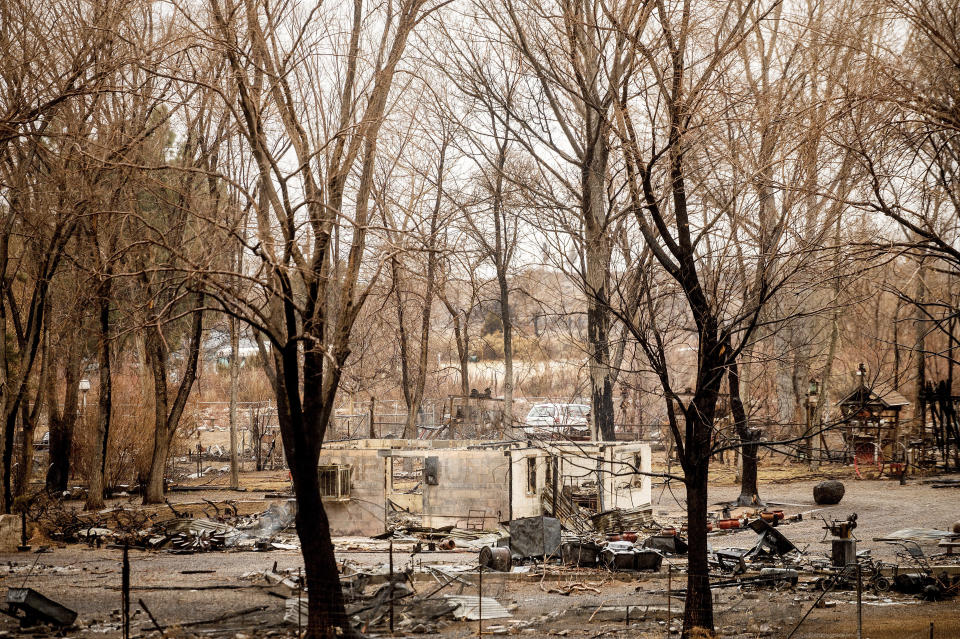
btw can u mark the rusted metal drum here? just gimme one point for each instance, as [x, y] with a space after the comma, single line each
[495, 558]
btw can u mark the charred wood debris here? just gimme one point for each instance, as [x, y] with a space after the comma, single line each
[567, 556]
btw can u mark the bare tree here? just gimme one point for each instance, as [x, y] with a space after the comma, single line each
[309, 99]
[681, 187]
[415, 221]
[577, 54]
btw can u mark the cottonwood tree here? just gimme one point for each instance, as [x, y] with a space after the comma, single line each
[174, 192]
[410, 200]
[68, 332]
[903, 131]
[487, 207]
[785, 173]
[309, 88]
[118, 137]
[55, 54]
[573, 56]
[459, 290]
[670, 132]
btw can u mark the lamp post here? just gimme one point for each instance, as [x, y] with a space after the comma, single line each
[84, 386]
[813, 397]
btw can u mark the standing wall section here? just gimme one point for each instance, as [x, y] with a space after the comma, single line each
[467, 480]
[363, 513]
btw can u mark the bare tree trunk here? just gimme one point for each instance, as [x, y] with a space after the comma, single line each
[697, 448]
[63, 422]
[920, 347]
[749, 495]
[698, 605]
[507, 321]
[461, 335]
[28, 425]
[166, 416]
[410, 424]
[234, 378]
[325, 600]
[597, 278]
[98, 459]
[463, 352]
[28, 420]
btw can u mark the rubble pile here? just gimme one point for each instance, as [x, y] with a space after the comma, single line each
[268, 530]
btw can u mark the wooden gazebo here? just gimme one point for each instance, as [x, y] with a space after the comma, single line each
[871, 425]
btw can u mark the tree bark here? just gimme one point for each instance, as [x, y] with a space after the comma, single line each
[697, 448]
[98, 457]
[234, 378]
[410, 423]
[28, 425]
[63, 422]
[167, 416]
[325, 604]
[507, 321]
[698, 606]
[597, 249]
[749, 495]
[462, 339]
[28, 421]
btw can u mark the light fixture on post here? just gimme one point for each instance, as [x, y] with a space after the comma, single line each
[84, 386]
[813, 398]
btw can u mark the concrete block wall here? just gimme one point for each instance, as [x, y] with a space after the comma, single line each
[622, 487]
[525, 503]
[478, 479]
[364, 513]
[468, 480]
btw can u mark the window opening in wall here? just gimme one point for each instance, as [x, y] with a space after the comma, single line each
[531, 475]
[407, 475]
[637, 479]
[334, 481]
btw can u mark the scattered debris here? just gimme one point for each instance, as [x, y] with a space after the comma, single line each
[672, 544]
[580, 553]
[620, 520]
[623, 555]
[918, 535]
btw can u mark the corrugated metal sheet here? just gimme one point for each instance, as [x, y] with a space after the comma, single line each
[468, 607]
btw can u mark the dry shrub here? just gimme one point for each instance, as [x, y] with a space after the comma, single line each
[551, 382]
[130, 441]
